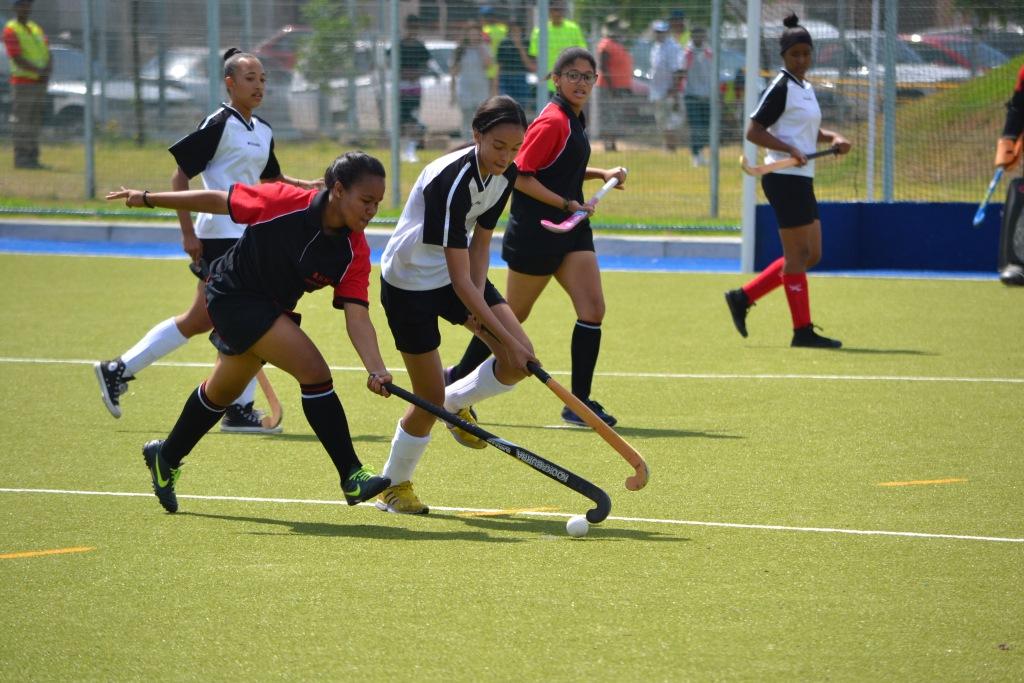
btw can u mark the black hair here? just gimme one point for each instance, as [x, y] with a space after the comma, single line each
[570, 55]
[232, 56]
[350, 167]
[497, 110]
[794, 34]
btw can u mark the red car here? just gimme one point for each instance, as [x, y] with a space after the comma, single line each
[280, 51]
[954, 50]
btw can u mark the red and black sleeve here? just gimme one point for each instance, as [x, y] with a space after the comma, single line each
[250, 204]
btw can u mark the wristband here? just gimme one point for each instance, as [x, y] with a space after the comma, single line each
[565, 204]
[145, 199]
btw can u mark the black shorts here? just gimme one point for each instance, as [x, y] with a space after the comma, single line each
[523, 256]
[792, 198]
[213, 249]
[412, 316]
[241, 318]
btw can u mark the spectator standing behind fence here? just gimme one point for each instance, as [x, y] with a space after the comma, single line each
[495, 28]
[470, 85]
[666, 75]
[514, 63]
[787, 123]
[413, 57]
[29, 53]
[698, 91]
[562, 34]
[677, 25]
[615, 78]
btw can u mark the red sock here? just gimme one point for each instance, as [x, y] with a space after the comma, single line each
[798, 298]
[767, 280]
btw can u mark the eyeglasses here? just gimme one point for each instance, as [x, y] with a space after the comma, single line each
[575, 76]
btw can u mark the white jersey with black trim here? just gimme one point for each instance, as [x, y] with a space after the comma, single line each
[448, 200]
[226, 149]
[789, 110]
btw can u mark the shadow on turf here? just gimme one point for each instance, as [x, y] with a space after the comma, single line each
[885, 352]
[644, 432]
[480, 526]
[361, 438]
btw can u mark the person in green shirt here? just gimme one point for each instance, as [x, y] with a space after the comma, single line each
[562, 34]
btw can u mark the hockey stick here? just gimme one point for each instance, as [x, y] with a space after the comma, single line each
[758, 171]
[979, 215]
[641, 471]
[574, 220]
[603, 504]
[276, 411]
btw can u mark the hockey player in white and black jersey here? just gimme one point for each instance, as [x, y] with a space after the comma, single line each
[232, 145]
[435, 266]
[787, 123]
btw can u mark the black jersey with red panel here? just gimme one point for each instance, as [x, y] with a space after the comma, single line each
[286, 251]
[1014, 125]
[556, 152]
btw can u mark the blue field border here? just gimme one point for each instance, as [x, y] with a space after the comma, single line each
[609, 262]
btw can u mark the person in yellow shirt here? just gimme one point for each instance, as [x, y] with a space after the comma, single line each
[562, 34]
[29, 53]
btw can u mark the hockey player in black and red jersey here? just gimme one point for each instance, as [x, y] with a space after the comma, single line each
[1008, 153]
[297, 241]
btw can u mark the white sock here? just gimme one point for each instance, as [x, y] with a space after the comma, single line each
[248, 394]
[475, 387]
[406, 451]
[158, 342]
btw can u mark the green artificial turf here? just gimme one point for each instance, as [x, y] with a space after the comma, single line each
[749, 433]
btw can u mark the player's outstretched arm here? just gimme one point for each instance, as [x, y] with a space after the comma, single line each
[363, 336]
[203, 201]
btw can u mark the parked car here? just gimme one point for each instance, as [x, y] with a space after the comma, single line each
[955, 50]
[115, 97]
[1007, 39]
[373, 85]
[280, 52]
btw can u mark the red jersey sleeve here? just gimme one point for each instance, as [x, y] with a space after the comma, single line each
[354, 286]
[1020, 81]
[250, 204]
[545, 139]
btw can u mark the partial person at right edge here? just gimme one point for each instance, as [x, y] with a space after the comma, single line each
[1008, 154]
[787, 122]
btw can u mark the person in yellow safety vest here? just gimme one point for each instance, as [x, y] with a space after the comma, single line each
[562, 34]
[495, 29]
[29, 53]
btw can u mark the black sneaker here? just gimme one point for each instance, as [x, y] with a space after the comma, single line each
[574, 419]
[362, 484]
[739, 304]
[806, 337]
[244, 419]
[113, 383]
[164, 476]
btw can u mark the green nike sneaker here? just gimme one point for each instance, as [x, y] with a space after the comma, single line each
[164, 477]
[363, 484]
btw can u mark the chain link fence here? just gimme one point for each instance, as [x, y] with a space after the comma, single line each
[922, 110]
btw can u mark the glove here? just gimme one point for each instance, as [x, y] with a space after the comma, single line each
[1008, 151]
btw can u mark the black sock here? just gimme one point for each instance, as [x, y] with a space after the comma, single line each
[475, 354]
[327, 418]
[586, 344]
[197, 417]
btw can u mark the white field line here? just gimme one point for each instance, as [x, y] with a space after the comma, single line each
[631, 375]
[633, 520]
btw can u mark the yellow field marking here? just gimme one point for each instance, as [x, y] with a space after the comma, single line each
[502, 513]
[40, 553]
[923, 482]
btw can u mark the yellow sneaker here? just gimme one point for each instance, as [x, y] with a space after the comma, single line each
[402, 500]
[461, 435]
